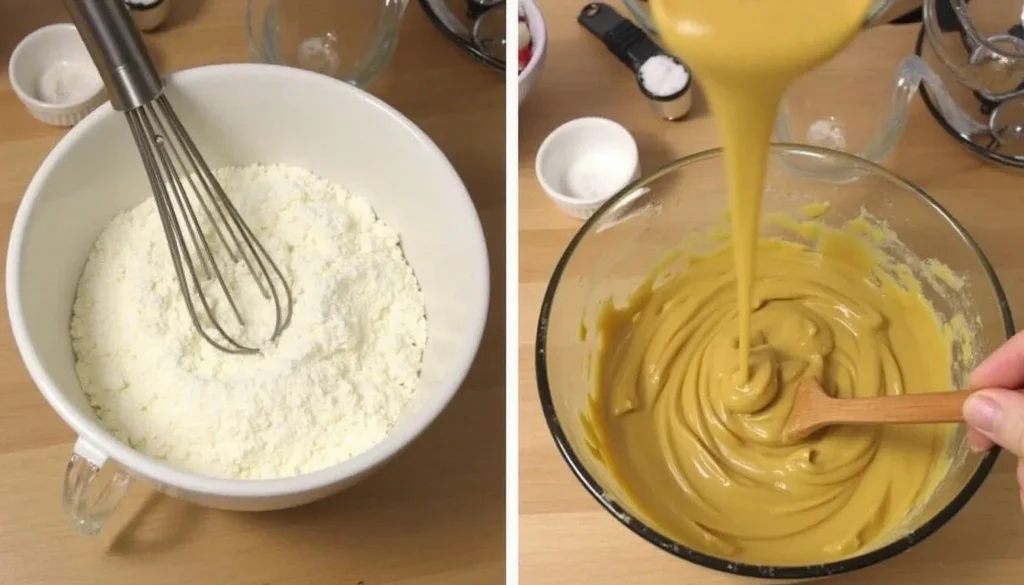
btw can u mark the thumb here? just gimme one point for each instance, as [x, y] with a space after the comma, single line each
[999, 415]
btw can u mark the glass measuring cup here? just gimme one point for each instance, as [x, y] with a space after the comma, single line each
[971, 67]
[352, 41]
[816, 111]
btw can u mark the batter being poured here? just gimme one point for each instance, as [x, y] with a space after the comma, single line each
[696, 375]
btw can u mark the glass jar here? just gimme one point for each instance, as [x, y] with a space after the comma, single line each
[352, 40]
[969, 64]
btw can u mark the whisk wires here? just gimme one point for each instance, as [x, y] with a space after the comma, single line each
[181, 182]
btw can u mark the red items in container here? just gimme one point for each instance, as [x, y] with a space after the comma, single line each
[525, 44]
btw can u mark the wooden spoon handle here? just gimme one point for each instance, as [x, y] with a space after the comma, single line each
[908, 408]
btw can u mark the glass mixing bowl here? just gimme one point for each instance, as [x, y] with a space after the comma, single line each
[620, 245]
[352, 41]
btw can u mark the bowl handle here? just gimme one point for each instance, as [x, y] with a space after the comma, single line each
[913, 72]
[89, 500]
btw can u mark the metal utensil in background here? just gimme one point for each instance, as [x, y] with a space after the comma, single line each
[633, 47]
[179, 177]
[475, 26]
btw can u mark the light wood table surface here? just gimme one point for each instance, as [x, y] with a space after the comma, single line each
[565, 536]
[435, 515]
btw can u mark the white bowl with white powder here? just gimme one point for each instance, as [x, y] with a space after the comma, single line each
[317, 167]
[54, 77]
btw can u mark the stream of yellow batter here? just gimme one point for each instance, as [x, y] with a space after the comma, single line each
[696, 375]
[746, 53]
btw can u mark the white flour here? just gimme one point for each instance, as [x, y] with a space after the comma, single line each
[330, 388]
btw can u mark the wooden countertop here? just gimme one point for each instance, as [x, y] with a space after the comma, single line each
[565, 537]
[434, 515]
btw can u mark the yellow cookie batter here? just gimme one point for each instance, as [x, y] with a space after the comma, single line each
[699, 453]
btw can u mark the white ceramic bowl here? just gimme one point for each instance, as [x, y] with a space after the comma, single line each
[539, 32]
[55, 45]
[244, 114]
[601, 153]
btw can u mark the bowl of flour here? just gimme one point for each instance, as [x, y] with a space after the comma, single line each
[374, 232]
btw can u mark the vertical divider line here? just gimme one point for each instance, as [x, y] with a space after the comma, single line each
[511, 294]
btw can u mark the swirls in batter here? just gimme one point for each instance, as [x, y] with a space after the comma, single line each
[701, 455]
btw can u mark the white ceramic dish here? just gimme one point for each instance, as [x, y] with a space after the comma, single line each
[539, 32]
[55, 45]
[243, 114]
[607, 145]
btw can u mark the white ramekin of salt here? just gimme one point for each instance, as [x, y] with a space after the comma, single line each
[52, 74]
[666, 84]
[586, 161]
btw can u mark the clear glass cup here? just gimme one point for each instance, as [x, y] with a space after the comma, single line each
[970, 67]
[352, 40]
[619, 246]
[820, 110]
[842, 104]
[969, 63]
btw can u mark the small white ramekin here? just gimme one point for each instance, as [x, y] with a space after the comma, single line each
[47, 47]
[570, 143]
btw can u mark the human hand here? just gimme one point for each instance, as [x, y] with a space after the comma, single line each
[995, 414]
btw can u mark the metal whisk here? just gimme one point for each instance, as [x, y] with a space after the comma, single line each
[173, 162]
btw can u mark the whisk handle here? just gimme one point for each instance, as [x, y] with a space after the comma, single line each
[116, 47]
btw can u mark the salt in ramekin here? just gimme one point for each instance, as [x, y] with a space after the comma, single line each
[55, 55]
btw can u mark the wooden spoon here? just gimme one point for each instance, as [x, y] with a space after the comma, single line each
[813, 409]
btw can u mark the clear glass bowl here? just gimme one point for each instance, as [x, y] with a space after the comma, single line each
[619, 246]
[352, 40]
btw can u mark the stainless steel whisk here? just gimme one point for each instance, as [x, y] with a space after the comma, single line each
[172, 161]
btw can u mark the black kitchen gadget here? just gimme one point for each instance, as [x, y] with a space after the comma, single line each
[665, 81]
